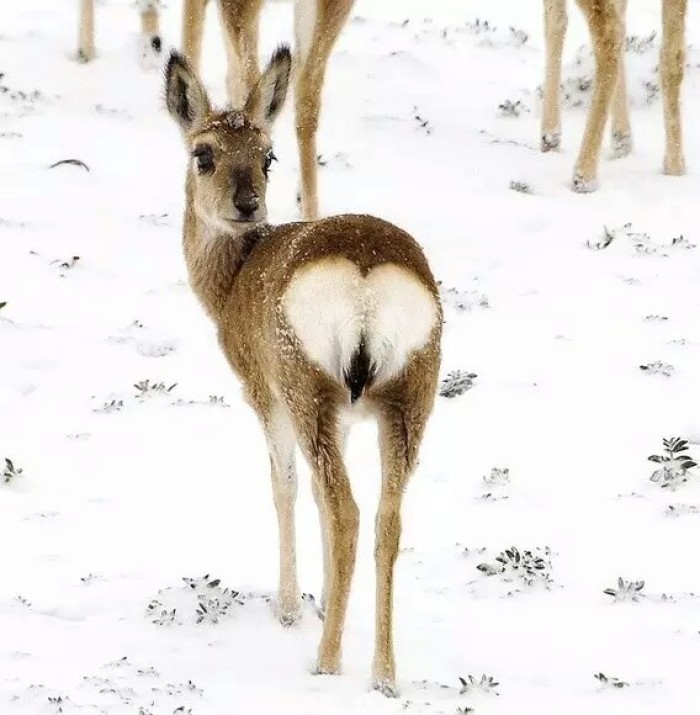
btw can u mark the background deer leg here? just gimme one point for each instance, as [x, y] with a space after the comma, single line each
[604, 25]
[555, 23]
[193, 16]
[672, 69]
[86, 31]
[316, 28]
[239, 20]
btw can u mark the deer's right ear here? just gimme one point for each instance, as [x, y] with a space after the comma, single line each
[185, 97]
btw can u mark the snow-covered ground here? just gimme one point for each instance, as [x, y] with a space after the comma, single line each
[126, 490]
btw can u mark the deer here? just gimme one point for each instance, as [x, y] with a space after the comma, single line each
[606, 23]
[323, 322]
[150, 33]
[317, 25]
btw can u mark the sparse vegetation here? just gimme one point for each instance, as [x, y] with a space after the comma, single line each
[11, 471]
[528, 567]
[66, 264]
[521, 187]
[675, 464]
[658, 368]
[497, 477]
[626, 591]
[508, 108]
[145, 388]
[111, 406]
[610, 682]
[457, 383]
[638, 45]
[200, 600]
[484, 684]
[423, 124]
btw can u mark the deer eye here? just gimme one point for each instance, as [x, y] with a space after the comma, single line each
[204, 156]
[269, 158]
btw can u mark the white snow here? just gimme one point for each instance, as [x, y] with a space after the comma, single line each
[115, 506]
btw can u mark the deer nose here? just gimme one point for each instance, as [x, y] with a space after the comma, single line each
[247, 204]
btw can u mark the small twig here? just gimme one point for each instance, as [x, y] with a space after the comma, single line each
[72, 162]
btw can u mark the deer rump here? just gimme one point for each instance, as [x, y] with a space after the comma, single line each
[360, 329]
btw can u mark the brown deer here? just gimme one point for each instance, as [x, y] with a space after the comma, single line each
[322, 321]
[317, 24]
[151, 41]
[606, 23]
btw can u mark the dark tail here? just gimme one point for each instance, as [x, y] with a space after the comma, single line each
[360, 373]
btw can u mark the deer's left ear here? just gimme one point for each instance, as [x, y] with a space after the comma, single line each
[266, 99]
[185, 97]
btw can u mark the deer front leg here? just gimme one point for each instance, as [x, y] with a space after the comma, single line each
[324, 544]
[281, 445]
[604, 20]
[621, 131]
[555, 23]
[672, 69]
[86, 31]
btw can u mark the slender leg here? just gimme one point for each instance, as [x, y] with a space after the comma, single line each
[401, 425]
[621, 131]
[317, 26]
[239, 20]
[86, 31]
[193, 15]
[555, 23]
[672, 69]
[316, 426]
[324, 543]
[604, 24]
[281, 445]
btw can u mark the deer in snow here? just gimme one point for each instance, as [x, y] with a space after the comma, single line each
[322, 321]
[606, 23]
[317, 25]
[150, 33]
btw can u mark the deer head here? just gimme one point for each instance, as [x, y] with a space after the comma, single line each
[231, 150]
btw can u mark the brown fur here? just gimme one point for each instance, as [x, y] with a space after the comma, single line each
[240, 19]
[86, 28]
[241, 274]
[606, 23]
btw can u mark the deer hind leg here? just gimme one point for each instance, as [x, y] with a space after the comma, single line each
[281, 443]
[315, 420]
[193, 15]
[621, 131]
[239, 21]
[604, 23]
[317, 26]
[403, 408]
[555, 23]
[86, 31]
[672, 68]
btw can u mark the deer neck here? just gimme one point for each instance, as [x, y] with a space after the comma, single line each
[214, 259]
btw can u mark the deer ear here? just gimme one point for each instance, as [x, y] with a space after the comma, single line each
[185, 97]
[267, 97]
